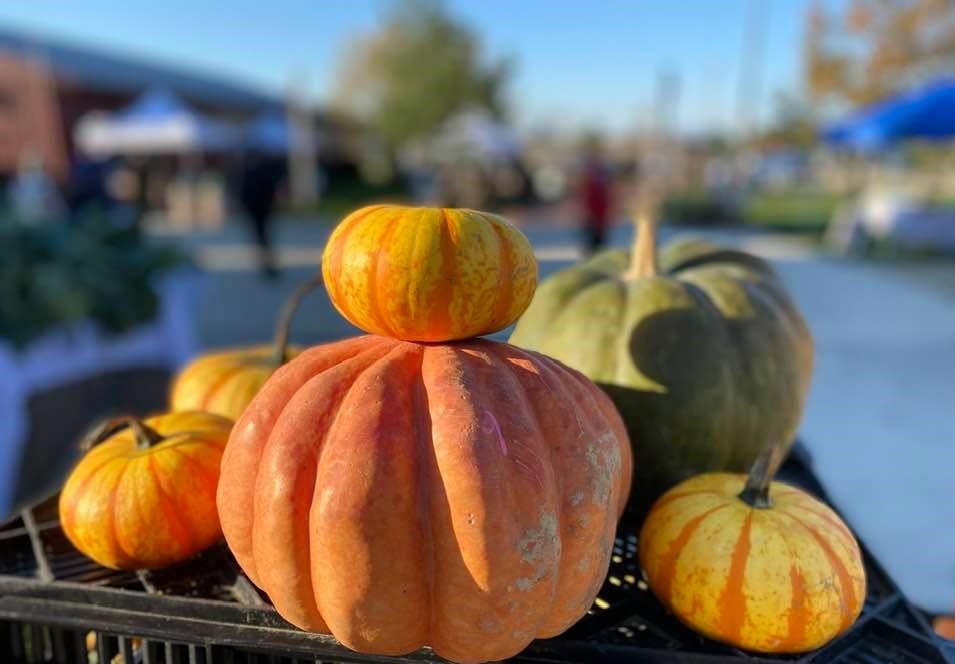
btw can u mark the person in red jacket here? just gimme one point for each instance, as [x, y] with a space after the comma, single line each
[594, 195]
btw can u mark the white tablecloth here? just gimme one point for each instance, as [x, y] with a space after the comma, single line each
[83, 351]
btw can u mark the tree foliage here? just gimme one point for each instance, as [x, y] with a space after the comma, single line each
[875, 47]
[794, 124]
[417, 70]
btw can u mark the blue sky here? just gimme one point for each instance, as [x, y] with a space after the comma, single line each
[578, 64]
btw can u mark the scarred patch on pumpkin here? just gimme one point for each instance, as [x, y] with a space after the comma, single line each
[603, 457]
[583, 564]
[523, 635]
[539, 547]
[489, 624]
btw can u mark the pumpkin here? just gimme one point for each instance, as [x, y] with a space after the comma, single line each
[757, 564]
[944, 626]
[224, 382]
[399, 494]
[428, 274]
[704, 355]
[144, 496]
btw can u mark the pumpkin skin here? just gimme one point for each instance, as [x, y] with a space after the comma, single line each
[224, 382]
[463, 496]
[944, 626]
[428, 274]
[706, 361]
[781, 579]
[127, 507]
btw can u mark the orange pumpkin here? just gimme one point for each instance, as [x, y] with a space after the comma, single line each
[144, 496]
[398, 494]
[757, 564]
[945, 627]
[224, 382]
[428, 274]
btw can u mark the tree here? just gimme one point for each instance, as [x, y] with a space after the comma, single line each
[876, 47]
[794, 124]
[418, 69]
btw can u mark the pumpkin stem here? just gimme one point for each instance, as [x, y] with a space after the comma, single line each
[643, 256]
[285, 317]
[146, 436]
[756, 491]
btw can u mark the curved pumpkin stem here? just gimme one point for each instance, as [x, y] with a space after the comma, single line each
[288, 312]
[643, 256]
[145, 435]
[756, 491]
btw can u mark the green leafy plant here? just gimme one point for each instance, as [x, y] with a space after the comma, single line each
[88, 269]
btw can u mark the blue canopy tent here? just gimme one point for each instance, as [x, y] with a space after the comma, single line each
[158, 122]
[926, 113]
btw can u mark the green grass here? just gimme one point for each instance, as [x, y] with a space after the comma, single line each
[791, 211]
[695, 208]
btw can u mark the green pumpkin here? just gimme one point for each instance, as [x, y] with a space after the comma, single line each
[703, 352]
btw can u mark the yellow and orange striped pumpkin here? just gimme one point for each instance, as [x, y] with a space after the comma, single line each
[784, 576]
[145, 496]
[428, 274]
[224, 382]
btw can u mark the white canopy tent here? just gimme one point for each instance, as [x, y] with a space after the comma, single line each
[477, 134]
[158, 122]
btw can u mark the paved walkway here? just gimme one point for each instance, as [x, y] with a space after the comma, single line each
[880, 418]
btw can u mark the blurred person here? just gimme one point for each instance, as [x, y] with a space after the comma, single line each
[87, 188]
[123, 184]
[594, 195]
[260, 179]
[33, 194]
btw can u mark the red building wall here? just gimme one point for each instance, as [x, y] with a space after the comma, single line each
[30, 121]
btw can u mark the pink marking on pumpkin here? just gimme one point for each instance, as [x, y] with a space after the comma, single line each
[490, 425]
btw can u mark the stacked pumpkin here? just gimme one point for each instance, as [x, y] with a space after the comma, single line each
[459, 493]
[421, 486]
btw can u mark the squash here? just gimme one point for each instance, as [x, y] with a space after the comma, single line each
[399, 494]
[144, 496]
[704, 355]
[757, 564]
[428, 274]
[224, 382]
[944, 626]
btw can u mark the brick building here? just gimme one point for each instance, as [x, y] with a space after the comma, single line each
[47, 85]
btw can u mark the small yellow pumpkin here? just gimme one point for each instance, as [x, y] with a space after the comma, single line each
[144, 496]
[224, 382]
[757, 564]
[428, 274]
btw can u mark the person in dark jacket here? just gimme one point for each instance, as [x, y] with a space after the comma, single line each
[260, 179]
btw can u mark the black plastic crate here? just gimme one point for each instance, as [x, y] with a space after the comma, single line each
[58, 606]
